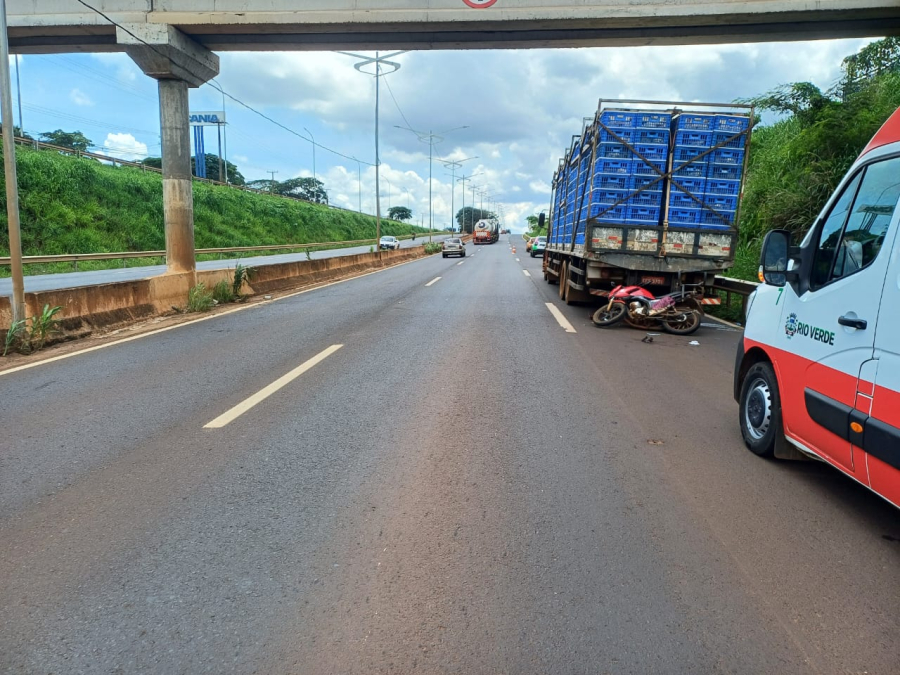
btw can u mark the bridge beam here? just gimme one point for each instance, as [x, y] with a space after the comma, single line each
[177, 63]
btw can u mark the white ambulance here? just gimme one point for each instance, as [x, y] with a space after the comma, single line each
[818, 369]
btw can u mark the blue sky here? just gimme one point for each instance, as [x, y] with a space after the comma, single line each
[520, 107]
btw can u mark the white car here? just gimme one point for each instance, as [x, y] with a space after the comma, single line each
[389, 242]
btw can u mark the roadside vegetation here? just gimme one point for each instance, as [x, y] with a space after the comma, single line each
[797, 162]
[30, 335]
[72, 205]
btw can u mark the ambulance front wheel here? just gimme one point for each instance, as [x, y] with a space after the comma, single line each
[760, 410]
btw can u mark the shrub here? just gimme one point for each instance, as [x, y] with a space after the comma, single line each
[221, 292]
[199, 299]
[433, 247]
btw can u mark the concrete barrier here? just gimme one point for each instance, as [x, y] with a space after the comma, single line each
[88, 308]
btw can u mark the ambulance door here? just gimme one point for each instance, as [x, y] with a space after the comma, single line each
[881, 438]
[829, 329]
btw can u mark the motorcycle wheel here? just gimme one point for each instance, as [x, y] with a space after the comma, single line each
[604, 317]
[685, 322]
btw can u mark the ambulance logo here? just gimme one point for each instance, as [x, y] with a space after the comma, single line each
[792, 327]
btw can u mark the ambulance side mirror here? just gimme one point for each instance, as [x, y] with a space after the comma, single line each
[776, 253]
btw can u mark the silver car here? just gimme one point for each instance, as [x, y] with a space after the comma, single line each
[389, 242]
[453, 247]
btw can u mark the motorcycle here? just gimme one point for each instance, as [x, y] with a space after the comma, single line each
[677, 313]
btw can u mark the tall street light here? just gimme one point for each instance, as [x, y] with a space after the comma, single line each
[463, 181]
[431, 138]
[379, 61]
[453, 165]
[314, 150]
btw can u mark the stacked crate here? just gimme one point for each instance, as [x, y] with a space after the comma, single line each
[618, 171]
[723, 178]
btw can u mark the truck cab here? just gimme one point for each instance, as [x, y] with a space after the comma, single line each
[818, 369]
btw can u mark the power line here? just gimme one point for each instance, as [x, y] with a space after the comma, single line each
[225, 93]
[391, 91]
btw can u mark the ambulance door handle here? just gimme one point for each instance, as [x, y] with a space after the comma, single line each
[853, 323]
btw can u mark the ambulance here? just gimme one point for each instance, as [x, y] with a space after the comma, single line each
[818, 370]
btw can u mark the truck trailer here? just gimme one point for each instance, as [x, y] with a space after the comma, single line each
[648, 194]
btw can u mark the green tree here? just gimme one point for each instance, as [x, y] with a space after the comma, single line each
[400, 213]
[74, 140]
[212, 168]
[468, 216]
[308, 189]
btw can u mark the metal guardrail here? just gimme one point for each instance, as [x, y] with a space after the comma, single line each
[125, 255]
[738, 287]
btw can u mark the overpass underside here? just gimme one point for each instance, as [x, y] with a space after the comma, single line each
[47, 26]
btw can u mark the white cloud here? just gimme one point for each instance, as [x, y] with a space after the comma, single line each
[124, 146]
[78, 97]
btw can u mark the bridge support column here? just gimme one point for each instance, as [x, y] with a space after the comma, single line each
[177, 62]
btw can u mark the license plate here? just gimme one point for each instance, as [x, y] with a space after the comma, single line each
[653, 281]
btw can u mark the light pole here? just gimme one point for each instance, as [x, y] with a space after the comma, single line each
[272, 188]
[12, 184]
[453, 165]
[431, 136]
[389, 193]
[463, 181]
[314, 151]
[378, 61]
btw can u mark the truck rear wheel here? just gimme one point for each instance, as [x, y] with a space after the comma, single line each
[760, 410]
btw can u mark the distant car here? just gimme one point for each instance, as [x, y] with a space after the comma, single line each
[538, 245]
[453, 247]
[389, 242]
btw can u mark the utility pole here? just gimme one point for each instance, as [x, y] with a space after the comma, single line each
[272, 189]
[19, 95]
[378, 60]
[463, 181]
[453, 165]
[12, 180]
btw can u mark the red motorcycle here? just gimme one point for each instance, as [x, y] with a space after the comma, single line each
[678, 313]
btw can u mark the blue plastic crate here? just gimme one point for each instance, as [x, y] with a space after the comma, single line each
[684, 216]
[684, 154]
[696, 122]
[643, 214]
[654, 136]
[621, 119]
[681, 200]
[720, 202]
[696, 169]
[626, 135]
[642, 168]
[653, 121]
[646, 198]
[611, 181]
[614, 151]
[731, 123]
[611, 215]
[723, 187]
[725, 171]
[701, 139]
[654, 152]
[727, 156]
[710, 220]
[696, 186]
[735, 142]
[637, 182]
[617, 166]
[608, 196]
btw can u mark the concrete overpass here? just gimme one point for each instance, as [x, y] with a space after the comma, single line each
[41, 26]
[174, 42]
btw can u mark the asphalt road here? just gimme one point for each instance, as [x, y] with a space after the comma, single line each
[461, 487]
[49, 282]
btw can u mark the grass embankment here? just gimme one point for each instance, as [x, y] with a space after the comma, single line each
[70, 205]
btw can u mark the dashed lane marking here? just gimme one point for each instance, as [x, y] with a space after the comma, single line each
[266, 392]
[527, 273]
[460, 262]
[433, 281]
[560, 319]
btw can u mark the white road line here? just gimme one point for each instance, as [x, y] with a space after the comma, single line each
[527, 273]
[266, 392]
[560, 319]
[460, 262]
[433, 281]
[517, 260]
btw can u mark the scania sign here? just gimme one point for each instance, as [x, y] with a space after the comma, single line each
[479, 4]
[203, 119]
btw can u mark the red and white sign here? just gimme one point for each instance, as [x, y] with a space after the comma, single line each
[479, 4]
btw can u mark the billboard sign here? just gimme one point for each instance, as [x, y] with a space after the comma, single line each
[206, 119]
